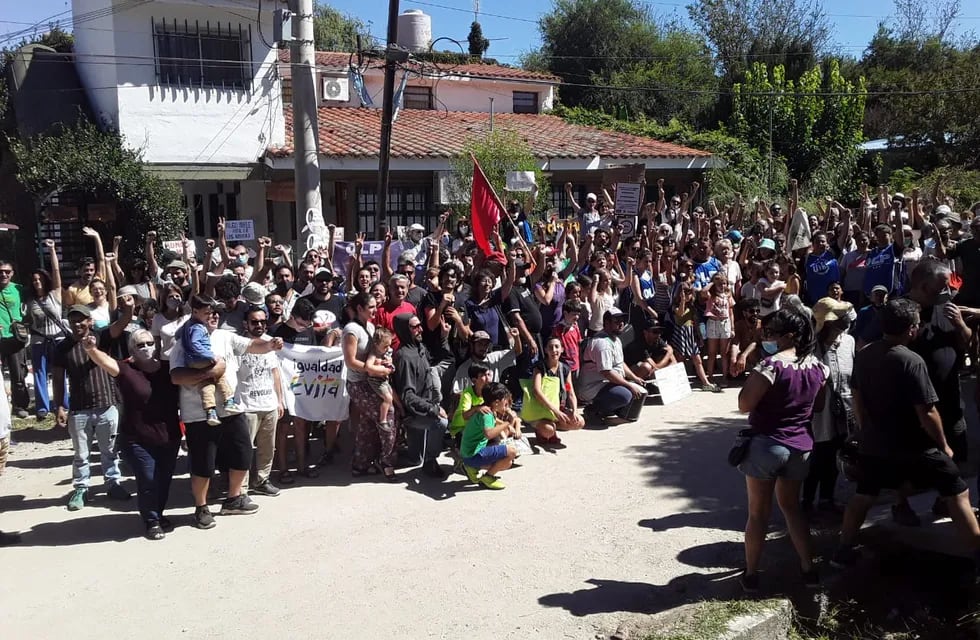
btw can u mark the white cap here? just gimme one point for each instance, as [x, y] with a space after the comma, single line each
[898, 194]
[416, 227]
[591, 196]
[943, 210]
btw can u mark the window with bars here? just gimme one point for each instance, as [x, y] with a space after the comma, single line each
[287, 92]
[417, 98]
[559, 200]
[406, 206]
[525, 102]
[192, 54]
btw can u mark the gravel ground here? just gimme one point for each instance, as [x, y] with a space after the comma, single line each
[636, 518]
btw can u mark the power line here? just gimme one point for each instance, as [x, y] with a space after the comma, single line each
[482, 13]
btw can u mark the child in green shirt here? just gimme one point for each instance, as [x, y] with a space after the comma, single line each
[491, 420]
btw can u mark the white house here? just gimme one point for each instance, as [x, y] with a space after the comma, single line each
[192, 83]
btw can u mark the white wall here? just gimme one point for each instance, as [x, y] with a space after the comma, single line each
[179, 124]
[457, 93]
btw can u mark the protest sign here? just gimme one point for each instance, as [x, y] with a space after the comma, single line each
[315, 382]
[554, 226]
[628, 198]
[343, 253]
[673, 384]
[627, 225]
[239, 230]
[177, 246]
[520, 180]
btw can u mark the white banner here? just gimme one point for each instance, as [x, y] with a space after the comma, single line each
[520, 180]
[314, 382]
[673, 383]
[628, 198]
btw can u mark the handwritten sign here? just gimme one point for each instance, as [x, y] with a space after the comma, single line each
[673, 383]
[628, 198]
[239, 230]
[177, 246]
[554, 226]
[520, 181]
[627, 224]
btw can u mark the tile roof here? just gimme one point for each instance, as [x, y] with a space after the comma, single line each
[356, 133]
[341, 61]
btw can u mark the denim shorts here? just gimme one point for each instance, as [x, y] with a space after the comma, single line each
[486, 456]
[768, 460]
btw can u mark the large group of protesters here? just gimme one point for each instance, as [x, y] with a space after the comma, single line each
[848, 324]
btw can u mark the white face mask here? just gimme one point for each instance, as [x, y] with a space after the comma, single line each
[145, 353]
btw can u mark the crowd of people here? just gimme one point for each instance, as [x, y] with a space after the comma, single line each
[558, 325]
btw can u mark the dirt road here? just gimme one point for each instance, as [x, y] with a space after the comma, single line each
[630, 518]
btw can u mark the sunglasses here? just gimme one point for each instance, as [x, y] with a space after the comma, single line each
[258, 322]
[141, 345]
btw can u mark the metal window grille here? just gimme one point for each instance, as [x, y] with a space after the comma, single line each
[525, 102]
[203, 55]
[406, 206]
[417, 98]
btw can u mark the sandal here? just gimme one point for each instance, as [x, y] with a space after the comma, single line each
[286, 477]
[387, 472]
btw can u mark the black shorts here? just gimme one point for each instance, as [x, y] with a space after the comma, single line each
[959, 443]
[226, 446]
[930, 469]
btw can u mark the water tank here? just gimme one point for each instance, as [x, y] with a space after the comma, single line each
[415, 30]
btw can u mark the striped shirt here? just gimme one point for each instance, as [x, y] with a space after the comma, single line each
[89, 386]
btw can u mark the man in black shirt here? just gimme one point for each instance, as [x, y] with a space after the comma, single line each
[328, 305]
[298, 329]
[650, 352]
[437, 309]
[94, 407]
[901, 436]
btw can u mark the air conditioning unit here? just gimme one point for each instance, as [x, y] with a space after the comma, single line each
[336, 89]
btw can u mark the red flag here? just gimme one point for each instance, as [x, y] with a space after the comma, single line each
[485, 210]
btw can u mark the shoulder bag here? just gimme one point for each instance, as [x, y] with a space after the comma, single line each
[20, 334]
[740, 448]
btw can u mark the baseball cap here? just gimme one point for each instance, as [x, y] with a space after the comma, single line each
[128, 290]
[480, 335]
[899, 196]
[323, 274]
[80, 308]
[734, 235]
[590, 196]
[416, 227]
[651, 324]
[254, 294]
[943, 210]
[767, 243]
[879, 287]
[614, 312]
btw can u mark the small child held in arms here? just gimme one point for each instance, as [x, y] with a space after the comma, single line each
[491, 421]
[380, 354]
[195, 338]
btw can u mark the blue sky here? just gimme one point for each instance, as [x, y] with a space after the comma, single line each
[511, 24]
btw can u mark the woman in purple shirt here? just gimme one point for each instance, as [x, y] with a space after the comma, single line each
[779, 397]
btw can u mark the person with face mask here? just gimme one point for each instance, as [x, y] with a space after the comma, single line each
[589, 215]
[149, 428]
[941, 341]
[780, 395]
[463, 236]
[172, 316]
[831, 422]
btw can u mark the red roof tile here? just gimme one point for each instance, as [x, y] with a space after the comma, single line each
[341, 61]
[356, 133]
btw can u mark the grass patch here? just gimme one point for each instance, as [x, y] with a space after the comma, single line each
[710, 619]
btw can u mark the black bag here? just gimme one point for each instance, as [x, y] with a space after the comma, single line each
[740, 448]
[843, 412]
[19, 338]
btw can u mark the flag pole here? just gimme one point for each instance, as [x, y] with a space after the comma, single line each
[503, 209]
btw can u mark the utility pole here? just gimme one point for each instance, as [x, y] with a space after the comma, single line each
[387, 114]
[305, 127]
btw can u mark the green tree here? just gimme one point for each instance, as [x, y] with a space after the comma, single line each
[655, 71]
[815, 123]
[478, 44]
[335, 31]
[84, 160]
[497, 152]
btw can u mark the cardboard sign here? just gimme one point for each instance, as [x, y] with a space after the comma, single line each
[554, 226]
[628, 198]
[673, 383]
[338, 234]
[177, 246]
[239, 230]
[628, 225]
[520, 180]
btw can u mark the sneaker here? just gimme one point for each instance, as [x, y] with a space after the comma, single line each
[203, 518]
[811, 579]
[166, 524]
[902, 514]
[154, 531]
[844, 558]
[213, 419]
[78, 499]
[117, 492]
[707, 386]
[41, 415]
[231, 407]
[7, 539]
[492, 482]
[266, 489]
[21, 413]
[556, 443]
[749, 582]
[473, 475]
[434, 470]
[240, 505]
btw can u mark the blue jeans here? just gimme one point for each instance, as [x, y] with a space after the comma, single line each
[41, 353]
[102, 423]
[424, 435]
[154, 470]
[612, 399]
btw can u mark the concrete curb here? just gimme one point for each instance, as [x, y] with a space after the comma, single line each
[772, 621]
